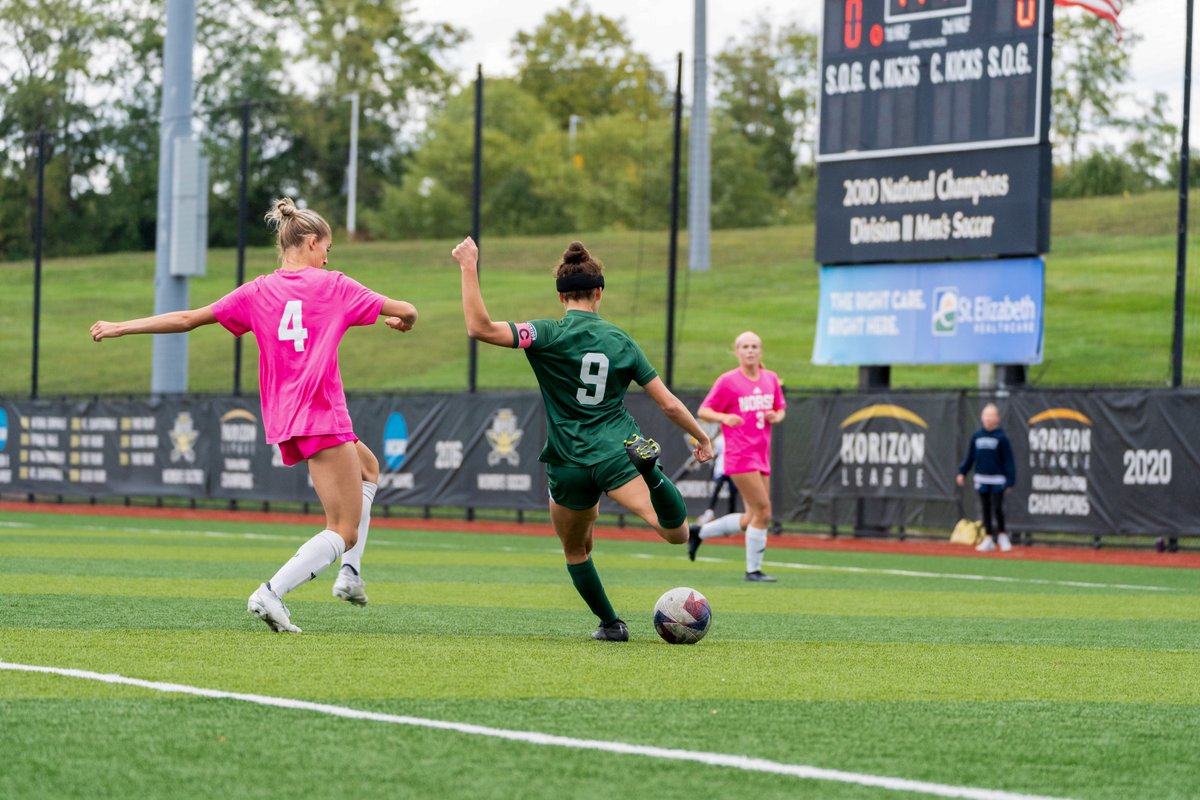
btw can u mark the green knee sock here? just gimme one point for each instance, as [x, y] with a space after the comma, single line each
[587, 583]
[666, 499]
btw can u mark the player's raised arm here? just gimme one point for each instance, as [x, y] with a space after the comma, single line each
[674, 410]
[479, 323]
[401, 315]
[170, 322]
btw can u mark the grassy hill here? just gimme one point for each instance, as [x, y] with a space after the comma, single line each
[1110, 286]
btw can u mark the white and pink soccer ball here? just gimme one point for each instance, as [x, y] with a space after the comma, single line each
[682, 616]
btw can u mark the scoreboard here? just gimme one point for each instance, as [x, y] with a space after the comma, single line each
[933, 139]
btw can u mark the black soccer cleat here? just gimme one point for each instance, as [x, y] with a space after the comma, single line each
[616, 631]
[694, 541]
[643, 453]
[758, 576]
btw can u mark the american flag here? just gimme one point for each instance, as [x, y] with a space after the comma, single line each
[1109, 9]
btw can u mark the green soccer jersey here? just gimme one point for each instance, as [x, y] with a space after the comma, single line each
[583, 366]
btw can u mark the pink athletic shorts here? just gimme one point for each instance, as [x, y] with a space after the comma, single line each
[300, 448]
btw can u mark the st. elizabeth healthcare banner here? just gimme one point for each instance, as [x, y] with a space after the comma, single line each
[941, 313]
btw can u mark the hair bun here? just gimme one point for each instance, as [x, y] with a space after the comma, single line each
[285, 206]
[576, 253]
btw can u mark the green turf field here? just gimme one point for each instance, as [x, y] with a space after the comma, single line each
[901, 667]
[1110, 281]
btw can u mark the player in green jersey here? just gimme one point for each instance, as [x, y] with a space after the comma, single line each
[593, 446]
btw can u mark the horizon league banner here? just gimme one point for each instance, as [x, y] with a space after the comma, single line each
[1104, 462]
[940, 313]
[902, 446]
[975, 204]
[464, 450]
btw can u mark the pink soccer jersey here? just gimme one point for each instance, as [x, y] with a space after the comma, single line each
[748, 446]
[298, 318]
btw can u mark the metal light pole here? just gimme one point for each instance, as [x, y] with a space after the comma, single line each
[476, 222]
[169, 367]
[243, 189]
[572, 127]
[1181, 243]
[673, 243]
[352, 169]
[39, 232]
[699, 172]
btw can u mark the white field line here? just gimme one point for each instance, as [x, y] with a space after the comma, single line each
[908, 573]
[271, 537]
[904, 573]
[549, 740]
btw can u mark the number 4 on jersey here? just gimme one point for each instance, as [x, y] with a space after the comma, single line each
[291, 329]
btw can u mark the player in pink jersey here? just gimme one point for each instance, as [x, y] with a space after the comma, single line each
[747, 401]
[298, 315]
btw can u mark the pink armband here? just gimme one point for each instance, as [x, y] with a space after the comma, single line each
[526, 334]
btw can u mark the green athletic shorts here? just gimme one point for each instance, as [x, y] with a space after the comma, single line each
[579, 488]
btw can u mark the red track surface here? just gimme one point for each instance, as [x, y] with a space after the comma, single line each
[1079, 555]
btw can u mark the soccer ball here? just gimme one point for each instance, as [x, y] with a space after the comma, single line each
[682, 616]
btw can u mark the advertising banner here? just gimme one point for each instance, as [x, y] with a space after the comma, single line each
[1090, 462]
[1119, 462]
[900, 446]
[100, 447]
[940, 313]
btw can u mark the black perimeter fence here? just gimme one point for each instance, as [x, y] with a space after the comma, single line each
[1098, 464]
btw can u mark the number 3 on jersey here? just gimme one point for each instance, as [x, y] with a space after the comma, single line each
[291, 329]
[593, 372]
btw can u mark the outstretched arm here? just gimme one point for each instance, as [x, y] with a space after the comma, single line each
[479, 323]
[728, 420]
[674, 410]
[401, 315]
[170, 322]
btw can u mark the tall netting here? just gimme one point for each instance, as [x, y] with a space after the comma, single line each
[576, 147]
[567, 153]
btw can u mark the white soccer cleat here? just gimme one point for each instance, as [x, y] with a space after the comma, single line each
[708, 516]
[1003, 542]
[987, 545]
[349, 587]
[267, 606]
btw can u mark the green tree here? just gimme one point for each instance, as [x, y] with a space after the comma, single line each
[48, 69]
[1100, 172]
[393, 60]
[1090, 64]
[524, 153]
[577, 62]
[742, 195]
[766, 85]
[620, 174]
[1153, 146]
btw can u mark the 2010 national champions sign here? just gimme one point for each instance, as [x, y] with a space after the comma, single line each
[933, 138]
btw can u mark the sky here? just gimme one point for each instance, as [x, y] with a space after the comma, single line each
[662, 28]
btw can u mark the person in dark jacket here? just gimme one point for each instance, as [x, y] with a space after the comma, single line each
[991, 455]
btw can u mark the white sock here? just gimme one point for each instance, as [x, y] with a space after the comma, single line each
[313, 556]
[353, 557]
[756, 547]
[722, 526]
